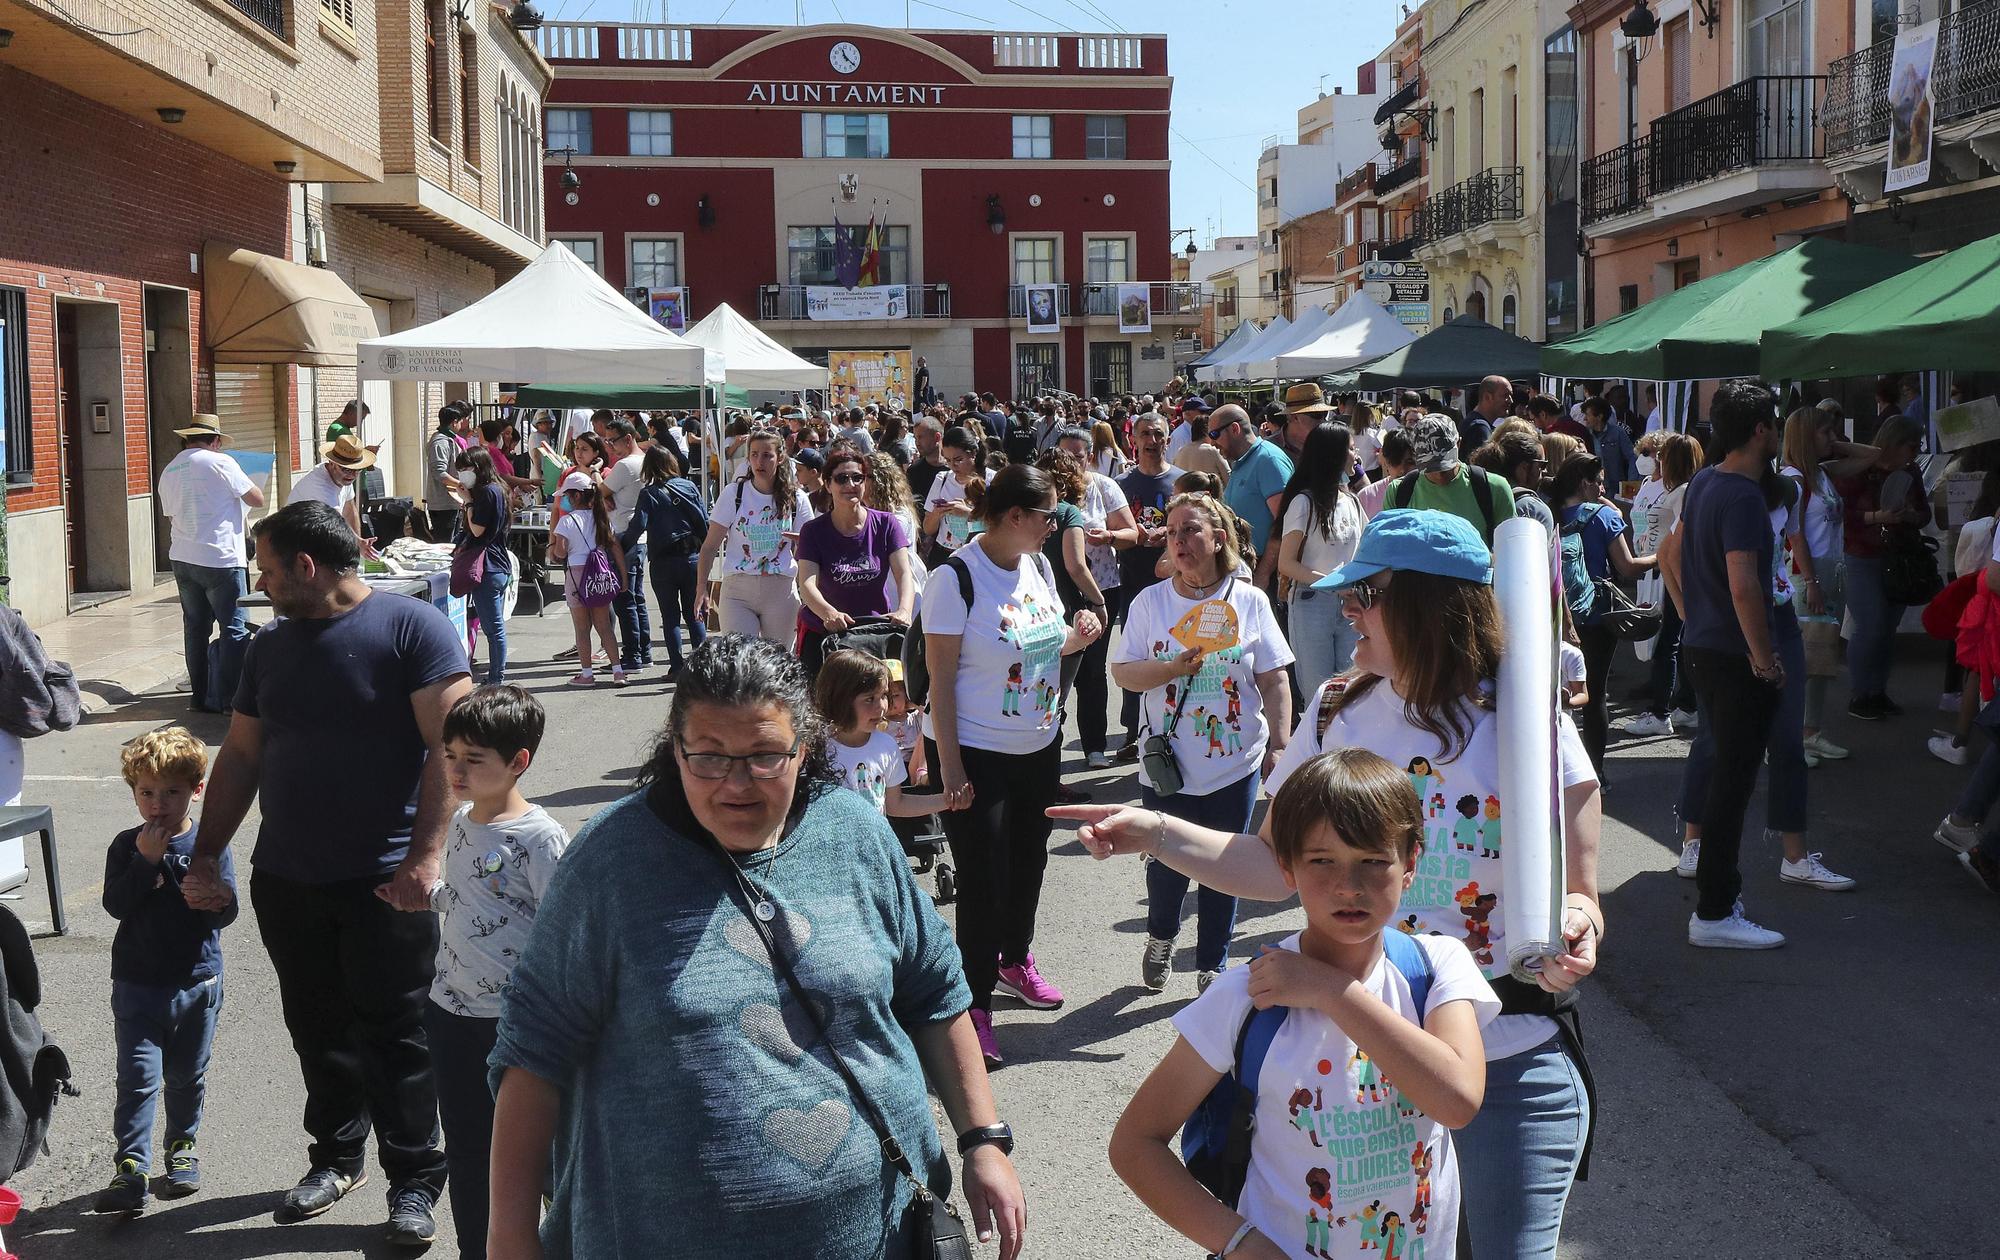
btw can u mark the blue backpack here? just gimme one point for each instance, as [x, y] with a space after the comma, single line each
[1579, 588]
[1215, 1141]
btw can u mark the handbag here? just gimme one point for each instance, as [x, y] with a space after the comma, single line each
[932, 1225]
[468, 567]
[1909, 567]
[1625, 619]
[1157, 754]
[599, 582]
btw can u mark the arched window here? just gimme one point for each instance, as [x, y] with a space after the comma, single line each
[1475, 305]
[1509, 314]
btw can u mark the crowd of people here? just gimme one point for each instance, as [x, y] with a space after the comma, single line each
[876, 618]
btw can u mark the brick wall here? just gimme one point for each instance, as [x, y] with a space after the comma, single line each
[99, 205]
[1303, 245]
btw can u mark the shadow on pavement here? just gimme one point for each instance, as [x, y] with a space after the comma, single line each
[231, 1227]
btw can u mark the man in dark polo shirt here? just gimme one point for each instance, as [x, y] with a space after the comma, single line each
[339, 717]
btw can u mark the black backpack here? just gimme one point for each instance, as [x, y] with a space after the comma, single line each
[1403, 491]
[37, 1070]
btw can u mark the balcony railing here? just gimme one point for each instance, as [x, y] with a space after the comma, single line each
[788, 301]
[1164, 299]
[1965, 79]
[1767, 118]
[1394, 177]
[1492, 196]
[269, 14]
[1017, 299]
[1402, 234]
[1402, 98]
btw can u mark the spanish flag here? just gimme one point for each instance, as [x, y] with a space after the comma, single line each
[871, 257]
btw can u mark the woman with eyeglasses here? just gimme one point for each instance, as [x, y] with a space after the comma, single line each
[1204, 650]
[993, 732]
[652, 1041]
[1420, 594]
[758, 519]
[849, 559]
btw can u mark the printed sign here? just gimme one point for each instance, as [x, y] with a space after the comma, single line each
[877, 301]
[1959, 492]
[856, 378]
[1967, 424]
[668, 307]
[1042, 309]
[1135, 308]
[1910, 107]
[1404, 288]
[1210, 626]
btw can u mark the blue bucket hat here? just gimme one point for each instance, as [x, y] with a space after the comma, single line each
[1422, 539]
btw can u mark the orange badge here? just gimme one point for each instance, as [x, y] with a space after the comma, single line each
[1210, 626]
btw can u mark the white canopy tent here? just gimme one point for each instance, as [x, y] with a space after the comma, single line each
[1360, 330]
[556, 323]
[751, 359]
[1229, 367]
[1261, 364]
[1238, 337]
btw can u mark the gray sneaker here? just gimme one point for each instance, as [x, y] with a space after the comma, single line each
[183, 1170]
[1202, 979]
[1157, 962]
[317, 1191]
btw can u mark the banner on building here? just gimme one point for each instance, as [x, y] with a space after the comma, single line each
[1042, 309]
[855, 378]
[880, 301]
[1404, 288]
[1135, 308]
[668, 307]
[1910, 107]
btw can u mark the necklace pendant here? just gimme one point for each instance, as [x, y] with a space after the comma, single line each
[766, 912]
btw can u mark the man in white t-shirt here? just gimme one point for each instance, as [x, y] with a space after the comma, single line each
[332, 481]
[635, 627]
[1192, 428]
[205, 496]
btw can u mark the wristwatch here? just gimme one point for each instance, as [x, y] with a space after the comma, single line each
[1000, 1135]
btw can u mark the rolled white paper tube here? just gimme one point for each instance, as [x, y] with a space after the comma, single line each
[1526, 585]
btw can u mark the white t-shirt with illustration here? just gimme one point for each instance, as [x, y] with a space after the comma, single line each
[1010, 651]
[494, 876]
[1341, 1163]
[873, 768]
[1325, 549]
[756, 542]
[1101, 497]
[1458, 890]
[1222, 731]
[954, 529]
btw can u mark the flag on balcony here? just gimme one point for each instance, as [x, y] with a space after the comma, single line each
[846, 255]
[871, 256]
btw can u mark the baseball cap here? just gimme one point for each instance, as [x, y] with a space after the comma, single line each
[576, 481]
[809, 457]
[1434, 444]
[1197, 403]
[1417, 539]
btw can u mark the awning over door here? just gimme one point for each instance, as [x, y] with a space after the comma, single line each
[260, 309]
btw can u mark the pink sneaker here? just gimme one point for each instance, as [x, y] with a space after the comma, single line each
[989, 1047]
[1029, 985]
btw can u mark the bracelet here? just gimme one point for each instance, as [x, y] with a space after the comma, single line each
[1243, 1231]
[1159, 832]
[1596, 920]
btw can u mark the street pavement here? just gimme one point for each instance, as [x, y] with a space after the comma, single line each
[1811, 1101]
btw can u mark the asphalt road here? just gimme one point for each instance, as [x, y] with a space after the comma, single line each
[1829, 1099]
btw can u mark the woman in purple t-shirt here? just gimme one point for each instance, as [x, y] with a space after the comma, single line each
[846, 558]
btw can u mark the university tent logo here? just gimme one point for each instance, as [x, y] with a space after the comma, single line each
[392, 361]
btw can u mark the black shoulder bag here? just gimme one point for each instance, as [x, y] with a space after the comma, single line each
[931, 1223]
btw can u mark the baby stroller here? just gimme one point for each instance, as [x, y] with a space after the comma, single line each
[922, 838]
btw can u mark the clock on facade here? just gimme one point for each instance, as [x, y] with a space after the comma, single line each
[845, 57]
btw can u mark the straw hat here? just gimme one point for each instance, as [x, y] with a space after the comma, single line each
[347, 452]
[1304, 397]
[203, 425]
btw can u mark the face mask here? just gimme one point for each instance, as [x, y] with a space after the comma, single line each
[1647, 464]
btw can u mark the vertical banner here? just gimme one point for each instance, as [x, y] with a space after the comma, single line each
[668, 307]
[1910, 107]
[855, 378]
[1135, 308]
[1042, 309]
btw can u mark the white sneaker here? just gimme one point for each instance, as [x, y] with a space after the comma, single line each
[1734, 932]
[1813, 872]
[1690, 859]
[1098, 761]
[1686, 719]
[1825, 749]
[1958, 839]
[1948, 750]
[1646, 724]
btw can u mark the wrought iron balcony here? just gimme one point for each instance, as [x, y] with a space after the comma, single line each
[1763, 119]
[1394, 177]
[1492, 196]
[1965, 81]
[1403, 233]
[269, 14]
[1017, 299]
[788, 301]
[1165, 299]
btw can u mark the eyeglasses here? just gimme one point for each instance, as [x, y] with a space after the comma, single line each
[849, 479]
[1361, 596]
[1048, 512]
[764, 765]
[1213, 434]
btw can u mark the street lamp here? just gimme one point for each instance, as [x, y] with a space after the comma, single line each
[1639, 26]
[570, 181]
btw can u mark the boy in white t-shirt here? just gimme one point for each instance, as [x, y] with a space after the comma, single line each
[1359, 1089]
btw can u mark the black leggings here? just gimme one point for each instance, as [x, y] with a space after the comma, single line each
[1001, 849]
[1594, 722]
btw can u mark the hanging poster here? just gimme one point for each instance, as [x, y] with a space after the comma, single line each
[875, 301]
[1042, 317]
[1910, 107]
[855, 378]
[668, 307]
[1135, 308]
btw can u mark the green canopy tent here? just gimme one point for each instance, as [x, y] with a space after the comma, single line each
[1457, 354]
[624, 397]
[1941, 315]
[1711, 328]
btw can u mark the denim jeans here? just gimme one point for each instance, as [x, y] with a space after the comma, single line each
[1737, 709]
[1518, 1157]
[489, 600]
[212, 597]
[674, 587]
[459, 1046]
[635, 627]
[1226, 809]
[1321, 638]
[1785, 801]
[1875, 622]
[163, 1037]
[1670, 684]
[1975, 802]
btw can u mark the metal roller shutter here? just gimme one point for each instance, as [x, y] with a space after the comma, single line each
[246, 402]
